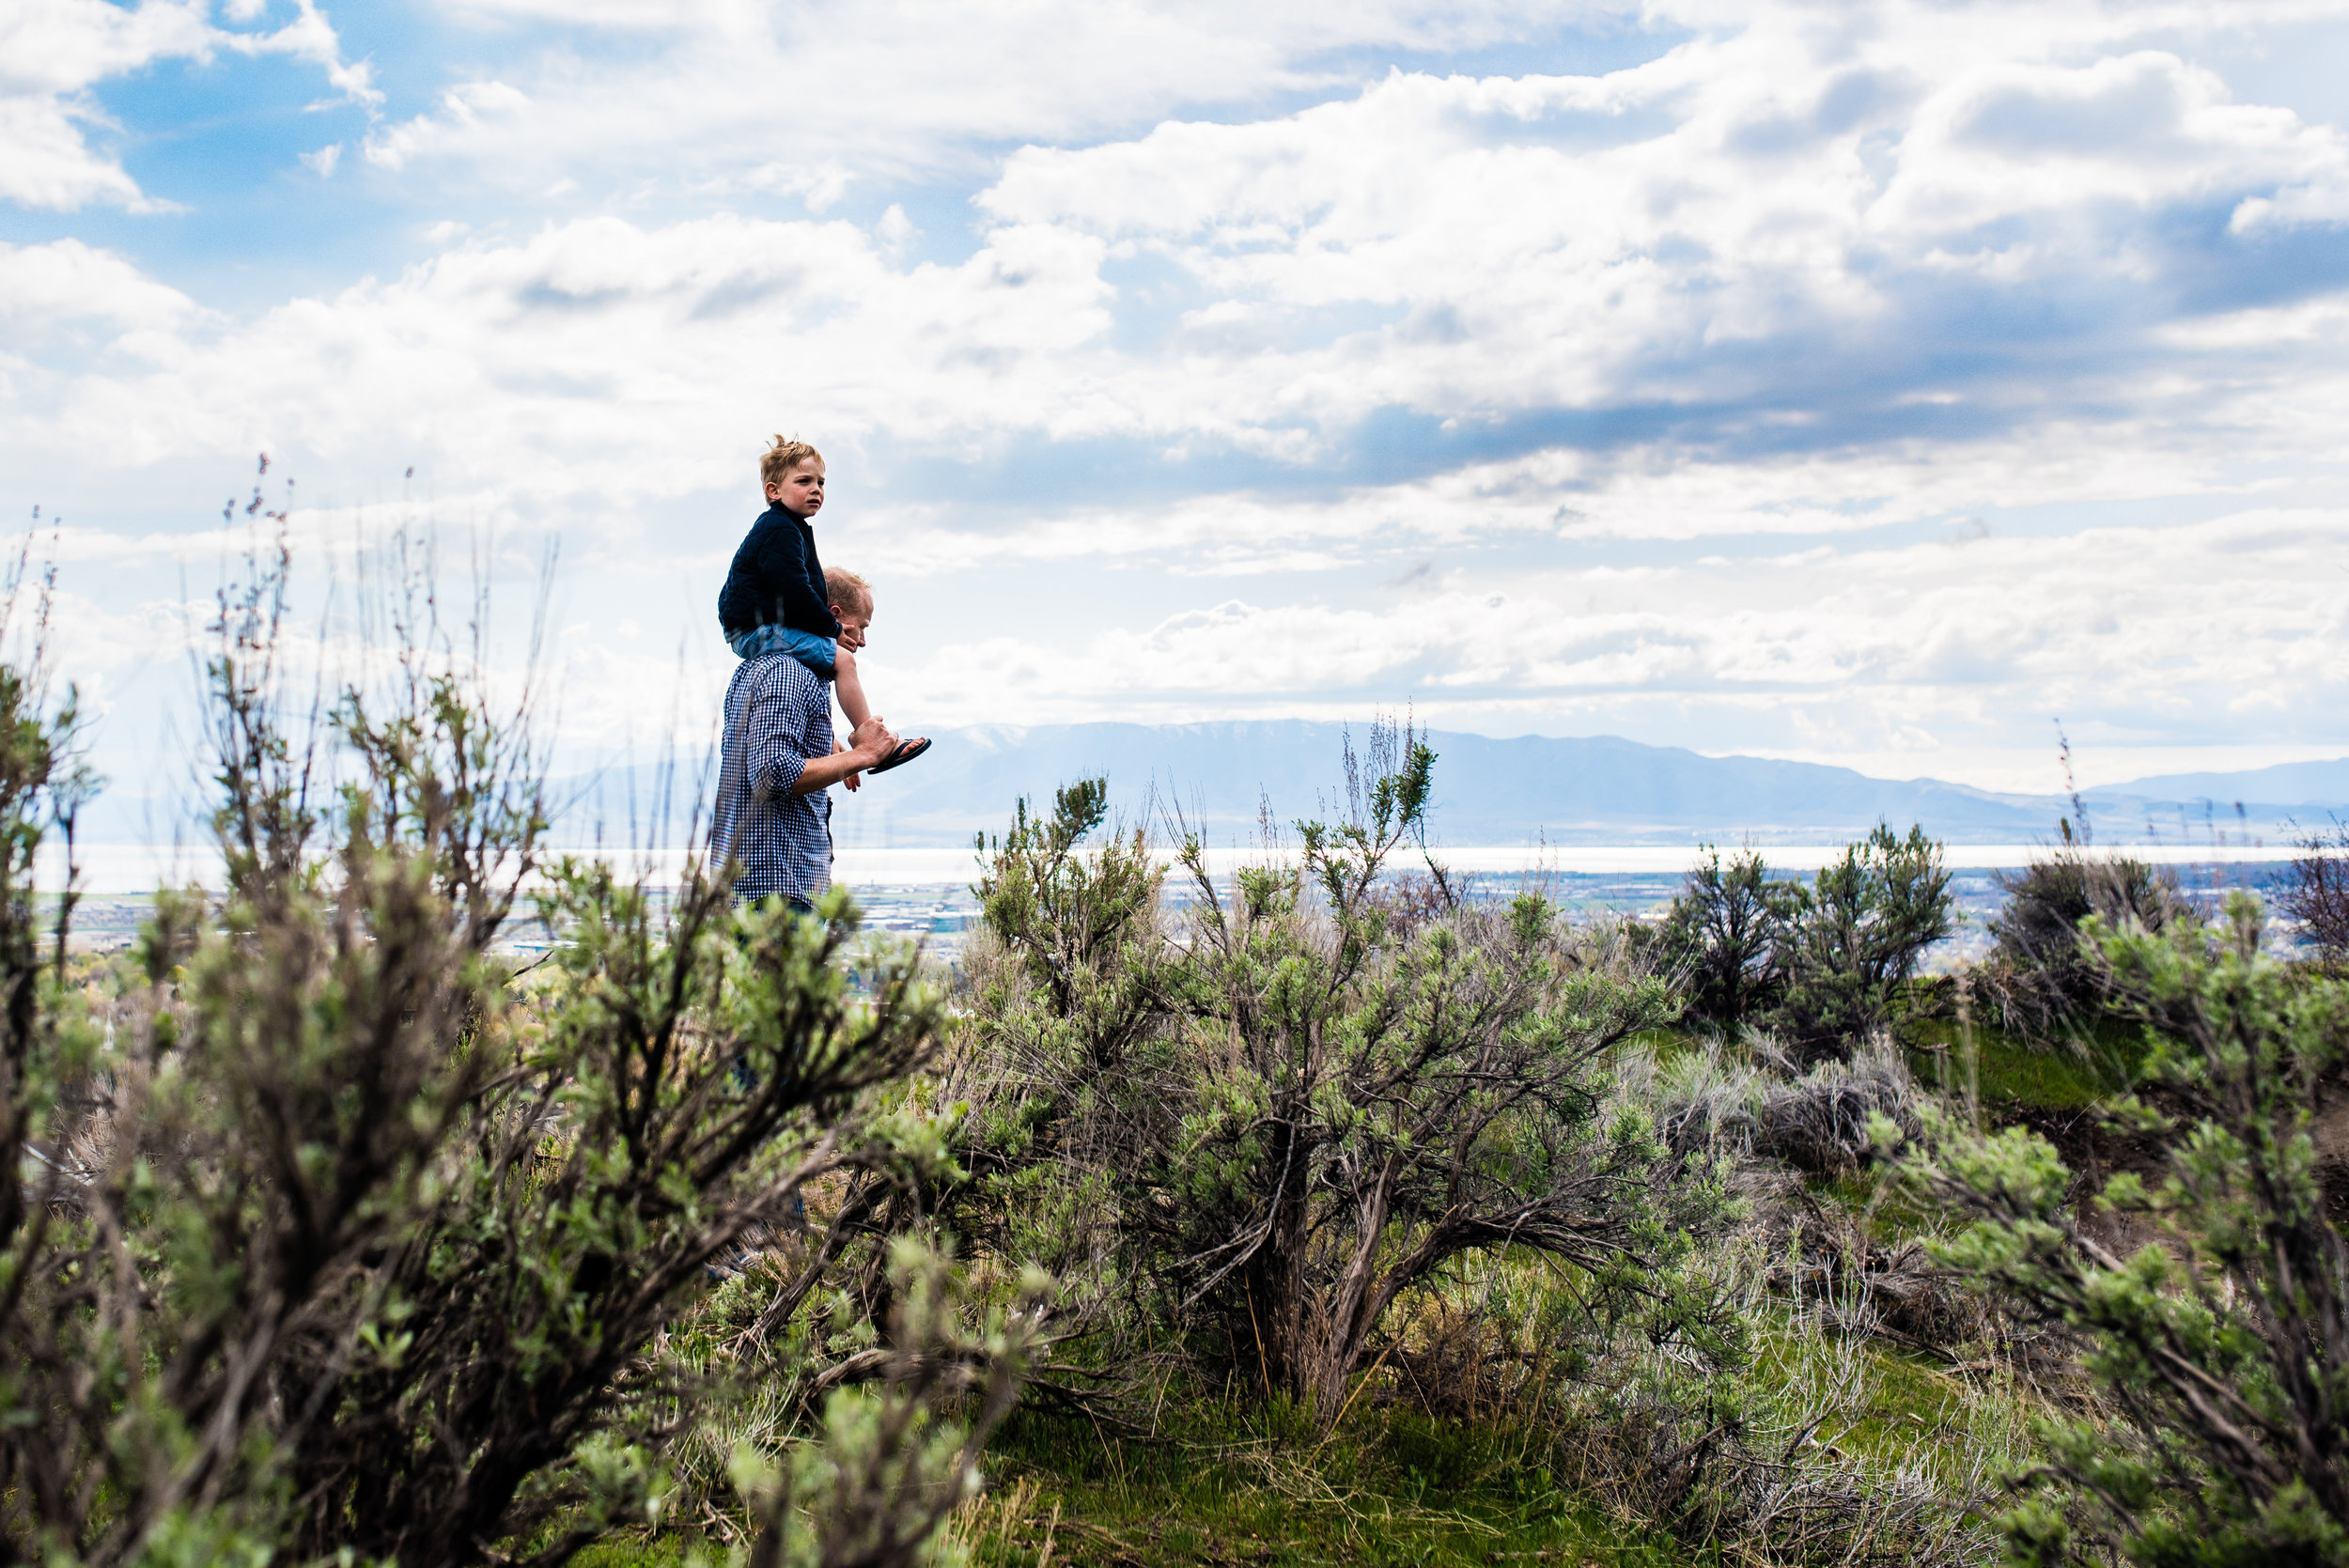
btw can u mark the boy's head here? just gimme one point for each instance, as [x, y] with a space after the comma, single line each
[793, 472]
[851, 600]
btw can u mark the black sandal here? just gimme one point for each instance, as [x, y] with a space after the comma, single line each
[907, 750]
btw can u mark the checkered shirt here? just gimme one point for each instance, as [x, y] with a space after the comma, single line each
[778, 716]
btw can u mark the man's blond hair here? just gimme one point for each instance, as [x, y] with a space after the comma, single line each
[850, 592]
[787, 453]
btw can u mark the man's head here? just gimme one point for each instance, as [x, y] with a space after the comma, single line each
[852, 600]
[793, 472]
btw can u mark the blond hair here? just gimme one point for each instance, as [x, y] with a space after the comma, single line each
[850, 592]
[787, 453]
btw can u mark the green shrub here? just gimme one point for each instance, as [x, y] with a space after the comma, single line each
[2039, 974]
[2221, 1345]
[2316, 895]
[1824, 965]
[336, 1240]
[1260, 1135]
[1856, 936]
[1726, 934]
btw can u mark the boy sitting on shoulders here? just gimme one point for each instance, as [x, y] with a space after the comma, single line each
[776, 598]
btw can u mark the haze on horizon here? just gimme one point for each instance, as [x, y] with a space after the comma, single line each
[1869, 382]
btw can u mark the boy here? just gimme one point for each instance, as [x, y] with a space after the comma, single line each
[775, 599]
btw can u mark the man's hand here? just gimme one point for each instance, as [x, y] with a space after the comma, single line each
[854, 781]
[873, 740]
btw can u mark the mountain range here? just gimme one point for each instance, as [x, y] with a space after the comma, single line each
[1221, 777]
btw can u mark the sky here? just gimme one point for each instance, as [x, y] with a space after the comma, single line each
[1874, 383]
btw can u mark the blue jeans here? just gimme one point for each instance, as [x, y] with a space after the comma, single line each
[811, 648]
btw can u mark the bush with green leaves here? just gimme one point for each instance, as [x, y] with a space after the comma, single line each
[1726, 934]
[1254, 1133]
[2220, 1345]
[2316, 895]
[1823, 965]
[901, 1453]
[2039, 974]
[1854, 937]
[334, 1238]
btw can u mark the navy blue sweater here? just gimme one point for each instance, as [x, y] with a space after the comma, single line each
[776, 580]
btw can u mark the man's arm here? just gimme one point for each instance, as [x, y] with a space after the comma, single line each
[775, 726]
[779, 721]
[868, 747]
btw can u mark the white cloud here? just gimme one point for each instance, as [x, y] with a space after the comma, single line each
[599, 357]
[1933, 653]
[2140, 129]
[706, 90]
[820, 186]
[466, 108]
[1563, 498]
[322, 162]
[68, 284]
[1818, 282]
[46, 163]
[693, 94]
[1672, 233]
[52, 52]
[1759, 241]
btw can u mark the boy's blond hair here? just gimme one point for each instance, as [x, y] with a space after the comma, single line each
[846, 589]
[787, 453]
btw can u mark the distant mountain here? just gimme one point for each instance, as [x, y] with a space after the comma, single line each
[1595, 790]
[1221, 776]
[2324, 785]
[1599, 790]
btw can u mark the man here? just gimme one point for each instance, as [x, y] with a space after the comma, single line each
[774, 818]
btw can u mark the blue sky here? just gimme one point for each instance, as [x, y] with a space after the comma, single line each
[1866, 383]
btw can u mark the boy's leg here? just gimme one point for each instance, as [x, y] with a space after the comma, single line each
[849, 688]
[810, 649]
[759, 642]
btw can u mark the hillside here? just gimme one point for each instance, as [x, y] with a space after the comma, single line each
[1591, 790]
[1599, 789]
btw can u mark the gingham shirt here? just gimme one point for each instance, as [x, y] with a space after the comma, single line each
[778, 716]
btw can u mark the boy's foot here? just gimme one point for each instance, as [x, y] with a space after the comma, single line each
[907, 750]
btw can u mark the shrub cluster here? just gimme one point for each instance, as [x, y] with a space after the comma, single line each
[2041, 976]
[1329, 1146]
[1251, 1136]
[1821, 965]
[339, 1234]
[338, 1238]
[2316, 896]
[2220, 1344]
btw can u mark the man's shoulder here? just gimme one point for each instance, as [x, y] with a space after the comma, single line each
[778, 675]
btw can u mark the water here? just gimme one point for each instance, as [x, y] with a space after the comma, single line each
[924, 894]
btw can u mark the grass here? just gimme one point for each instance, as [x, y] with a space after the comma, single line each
[1221, 1487]
[1228, 1486]
[1893, 1408]
[667, 1550]
[1392, 1488]
[1223, 1484]
[2010, 1071]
